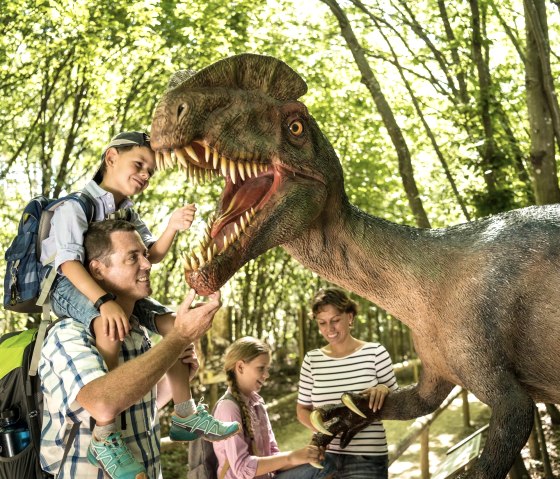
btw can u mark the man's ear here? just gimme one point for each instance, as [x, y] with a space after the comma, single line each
[96, 269]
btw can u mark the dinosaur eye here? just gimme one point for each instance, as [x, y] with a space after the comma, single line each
[181, 108]
[296, 128]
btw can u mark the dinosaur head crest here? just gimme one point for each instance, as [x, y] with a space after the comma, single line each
[240, 119]
[245, 72]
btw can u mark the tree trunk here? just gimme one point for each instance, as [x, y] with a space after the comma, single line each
[370, 81]
[542, 154]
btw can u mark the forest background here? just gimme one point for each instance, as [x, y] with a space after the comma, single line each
[441, 112]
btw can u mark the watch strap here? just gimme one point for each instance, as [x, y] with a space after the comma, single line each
[103, 299]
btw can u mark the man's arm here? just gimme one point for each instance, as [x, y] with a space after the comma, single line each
[104, 398]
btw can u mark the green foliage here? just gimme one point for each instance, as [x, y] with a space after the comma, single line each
[75, 73]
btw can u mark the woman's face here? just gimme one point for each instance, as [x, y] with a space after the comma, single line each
[334, 325]
[251, 375]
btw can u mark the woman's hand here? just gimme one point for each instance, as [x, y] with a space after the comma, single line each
[377, 395]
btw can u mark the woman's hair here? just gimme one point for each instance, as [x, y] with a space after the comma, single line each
[244, 349]
[335, 297]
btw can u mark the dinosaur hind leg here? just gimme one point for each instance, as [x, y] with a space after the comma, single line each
[510, 426]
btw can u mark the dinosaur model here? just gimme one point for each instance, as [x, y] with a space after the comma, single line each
[482, 299]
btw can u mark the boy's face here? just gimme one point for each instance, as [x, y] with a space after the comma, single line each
[129, 172]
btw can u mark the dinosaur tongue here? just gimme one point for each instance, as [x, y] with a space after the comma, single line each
[250, 194]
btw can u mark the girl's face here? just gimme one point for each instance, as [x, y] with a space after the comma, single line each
[129, 172]
[334, 325]
[251, 375]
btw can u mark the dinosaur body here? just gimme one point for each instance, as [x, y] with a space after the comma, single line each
[480, 298]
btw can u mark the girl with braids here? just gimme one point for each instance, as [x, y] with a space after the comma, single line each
[254, 452]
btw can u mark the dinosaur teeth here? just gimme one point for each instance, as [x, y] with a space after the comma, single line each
[215, 159]
[167, 160]
[248, 169]
[208, 249]
[232, 170]
[190, 150]
[206, 153]
[241, 169]
[182, 159]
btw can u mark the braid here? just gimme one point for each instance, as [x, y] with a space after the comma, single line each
[244, 349]
[245, 416]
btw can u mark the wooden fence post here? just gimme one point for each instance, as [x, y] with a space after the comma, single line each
[544, 451]
[425, 453]
[466, 410]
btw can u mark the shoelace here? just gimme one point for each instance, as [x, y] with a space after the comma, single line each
[114, 444]
[202, 405]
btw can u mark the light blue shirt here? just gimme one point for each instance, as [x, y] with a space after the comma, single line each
[69, 225]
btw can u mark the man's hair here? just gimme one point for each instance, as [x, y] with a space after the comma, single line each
[334, 297]
[97, 241]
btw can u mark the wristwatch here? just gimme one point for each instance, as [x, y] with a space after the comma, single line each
[106, 297]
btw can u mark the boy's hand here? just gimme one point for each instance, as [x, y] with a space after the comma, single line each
[115, 322]
[182, 218]
[189, 358]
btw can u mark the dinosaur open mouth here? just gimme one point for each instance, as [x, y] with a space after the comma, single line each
[250, 183]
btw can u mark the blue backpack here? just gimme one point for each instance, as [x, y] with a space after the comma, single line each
[22, 283]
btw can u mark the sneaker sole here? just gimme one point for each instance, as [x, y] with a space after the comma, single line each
[221, 438]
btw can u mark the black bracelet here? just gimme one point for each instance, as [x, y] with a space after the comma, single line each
[106, 297]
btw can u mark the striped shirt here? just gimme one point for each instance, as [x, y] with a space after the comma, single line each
[323, 379]
[69, 361]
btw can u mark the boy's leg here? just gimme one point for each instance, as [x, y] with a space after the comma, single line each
[190, 421]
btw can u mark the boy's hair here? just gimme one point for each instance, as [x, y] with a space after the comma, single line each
[97, 240]
[244, 349]
[334, 297]
[122, 142]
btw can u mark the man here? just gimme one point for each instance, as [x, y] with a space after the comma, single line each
[74, 378]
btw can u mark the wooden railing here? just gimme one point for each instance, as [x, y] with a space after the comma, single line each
[421, 428]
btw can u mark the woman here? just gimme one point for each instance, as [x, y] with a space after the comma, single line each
[346, 364]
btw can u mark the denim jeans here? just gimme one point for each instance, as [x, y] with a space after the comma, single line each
[347, 466]
[68, 302]
[305, 471]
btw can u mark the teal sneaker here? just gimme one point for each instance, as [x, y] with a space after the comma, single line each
[201, 424]
[115, 458]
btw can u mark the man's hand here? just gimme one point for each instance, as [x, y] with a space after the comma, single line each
[188, 357]
[115, 322]
[192, 323]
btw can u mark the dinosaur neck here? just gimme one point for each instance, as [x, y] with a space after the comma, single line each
[389, 264]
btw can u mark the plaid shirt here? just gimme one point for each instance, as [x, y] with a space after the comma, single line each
[69, 360]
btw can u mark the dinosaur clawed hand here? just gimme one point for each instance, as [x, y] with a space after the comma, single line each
[346, 419]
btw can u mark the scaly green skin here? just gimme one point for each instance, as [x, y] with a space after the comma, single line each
[480, 298]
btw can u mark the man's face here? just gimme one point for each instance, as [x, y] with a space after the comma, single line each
[128, 272]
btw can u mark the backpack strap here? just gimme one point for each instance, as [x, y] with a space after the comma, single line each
[41, 333]
[71, 438]
[88, 205]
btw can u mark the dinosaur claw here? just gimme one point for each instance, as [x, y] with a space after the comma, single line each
[317, 422]
[316, 465]
[349, 403]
